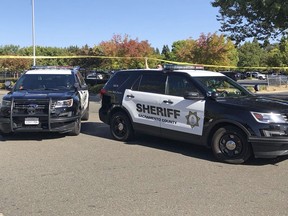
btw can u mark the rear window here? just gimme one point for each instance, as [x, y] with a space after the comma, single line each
[153, 83]
[121, 80]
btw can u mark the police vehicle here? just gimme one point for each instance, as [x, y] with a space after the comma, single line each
[196, 106]
[53, 99]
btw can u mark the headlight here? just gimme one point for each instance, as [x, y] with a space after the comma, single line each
[269, 117]
[6, 103]
[64, 103]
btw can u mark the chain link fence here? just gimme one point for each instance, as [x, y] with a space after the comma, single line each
[279, 80]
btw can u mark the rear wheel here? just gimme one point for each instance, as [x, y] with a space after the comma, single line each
[229, 144]
[120, 127]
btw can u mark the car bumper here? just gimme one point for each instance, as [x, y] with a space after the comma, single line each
[103, 116]
[61, 125]
[269, 147]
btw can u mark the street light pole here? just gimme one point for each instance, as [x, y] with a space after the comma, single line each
[33, 35]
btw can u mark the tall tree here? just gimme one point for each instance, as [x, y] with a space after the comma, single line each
[215, 49]
[182, 50]
[157, 51]
[251, 54]
[166, 53]
[274, 58]
[209, 49]
[124, 52]
[261, 19]
[283, 47]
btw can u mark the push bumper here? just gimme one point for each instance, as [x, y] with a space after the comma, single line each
[269, 147]
[61, 125]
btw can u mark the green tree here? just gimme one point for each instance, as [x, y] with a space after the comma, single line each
[157, 51]
[166, 53]
[182, 50]
[9, 50]
[274, 58]
[215, 49]
[208, 49]
[88, 63]
[251, 54]
[283, 47]
[73, 50]
[261, 19]
[46, 51]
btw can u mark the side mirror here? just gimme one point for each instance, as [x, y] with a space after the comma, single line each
[213, 95]
[192, 96]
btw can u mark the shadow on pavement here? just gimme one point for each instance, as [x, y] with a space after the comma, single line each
[187, 149]
[38, 136]
[97, 129]
[94, 98]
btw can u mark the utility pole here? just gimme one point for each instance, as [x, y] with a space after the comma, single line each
[33, 34]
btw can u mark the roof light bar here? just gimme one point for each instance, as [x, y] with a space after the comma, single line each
[182, 67]
[55, 67]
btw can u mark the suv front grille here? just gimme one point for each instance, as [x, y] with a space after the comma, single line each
[31, 107]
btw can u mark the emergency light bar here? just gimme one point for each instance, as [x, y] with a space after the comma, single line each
[55, 67]
[183, 67]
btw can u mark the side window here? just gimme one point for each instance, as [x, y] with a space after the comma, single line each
[178, 84]
[118, 80]
[153, 83]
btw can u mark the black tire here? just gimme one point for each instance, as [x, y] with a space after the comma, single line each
[77, 128]
[229, 144]
[120, 127]
[85, 117]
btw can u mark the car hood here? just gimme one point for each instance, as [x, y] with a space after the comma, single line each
[257, 103]
[26, 94]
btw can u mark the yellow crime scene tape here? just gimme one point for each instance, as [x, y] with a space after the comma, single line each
[147, 58]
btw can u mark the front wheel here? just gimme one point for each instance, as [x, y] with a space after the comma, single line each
[120, 127]
[76, 129]
[229, 144]
[85, 117]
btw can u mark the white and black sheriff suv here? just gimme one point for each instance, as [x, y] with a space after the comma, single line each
[196, 106]
[49, 99]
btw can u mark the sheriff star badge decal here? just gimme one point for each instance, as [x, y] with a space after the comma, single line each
[192, 119]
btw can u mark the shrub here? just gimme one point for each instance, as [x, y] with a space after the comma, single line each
[2, 86]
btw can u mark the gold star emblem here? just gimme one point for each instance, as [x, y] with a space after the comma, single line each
[192, 119]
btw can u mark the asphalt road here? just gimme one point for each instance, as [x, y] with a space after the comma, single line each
[91, 174]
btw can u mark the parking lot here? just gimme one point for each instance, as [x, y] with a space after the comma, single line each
[91, 174]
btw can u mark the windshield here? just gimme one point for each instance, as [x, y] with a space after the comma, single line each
[223, 86]
[45, 82]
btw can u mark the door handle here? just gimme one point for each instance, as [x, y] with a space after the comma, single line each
[130, 96]
[168, 102]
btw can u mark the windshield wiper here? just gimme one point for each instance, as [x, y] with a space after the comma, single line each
[50, 89]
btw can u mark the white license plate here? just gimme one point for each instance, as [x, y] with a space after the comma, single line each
[31, 121]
